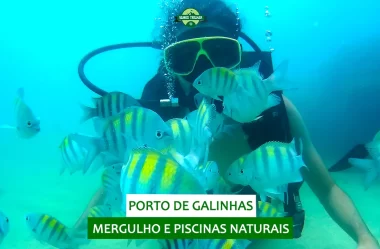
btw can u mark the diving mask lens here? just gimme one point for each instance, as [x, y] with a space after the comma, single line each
[181, 57]
[216, 51]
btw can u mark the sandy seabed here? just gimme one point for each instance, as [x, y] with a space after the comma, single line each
[65, 198]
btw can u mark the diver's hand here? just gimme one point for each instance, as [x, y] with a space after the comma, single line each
[369, 243]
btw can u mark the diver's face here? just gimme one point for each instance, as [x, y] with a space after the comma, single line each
[202, 63]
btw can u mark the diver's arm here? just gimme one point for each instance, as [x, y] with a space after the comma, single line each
[97, 199]
[335, 201]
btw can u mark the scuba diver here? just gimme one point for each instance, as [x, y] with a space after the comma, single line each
[214, 44]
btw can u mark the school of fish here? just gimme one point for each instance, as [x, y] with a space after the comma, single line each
[140, 153]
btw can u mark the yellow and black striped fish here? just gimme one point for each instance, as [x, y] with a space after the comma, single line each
[265, 209]
[271, 165]
[182, 135]
[109, 105]
[216, 81]
[49, 230]
[224, 244]
[255, 95]
[151, 172]
[178, 244]
[134, 127]
[111, 178]
[100, 211]
[72, 155]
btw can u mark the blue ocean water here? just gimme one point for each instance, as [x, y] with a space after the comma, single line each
[333, 49]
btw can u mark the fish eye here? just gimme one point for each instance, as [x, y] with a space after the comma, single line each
[6, 220]
[199, 82]
[242, 171]
[27, 218]
[229, 173]
[159, 134]
[29, 123]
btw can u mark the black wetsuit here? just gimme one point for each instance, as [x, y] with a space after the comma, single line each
[273, 126]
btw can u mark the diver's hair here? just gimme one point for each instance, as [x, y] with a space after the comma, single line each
[216, 11]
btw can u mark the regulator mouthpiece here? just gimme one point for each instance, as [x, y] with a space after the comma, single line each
[173, 102]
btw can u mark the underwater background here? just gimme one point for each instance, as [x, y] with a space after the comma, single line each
[333, 48]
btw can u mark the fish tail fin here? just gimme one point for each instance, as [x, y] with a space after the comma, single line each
[223, 188]
[369, 166]
[293, 145]
[99, 124]
[20, 93]
[139, 242]
[62, 169]
[277, 80]
[7, 127]
[273, 100]
[98, 163]
[77, 237]
[19, 96]
[93, 145]
[88, 113]
[129, 241]
[243, 243]
[299, 152]
[373, 149]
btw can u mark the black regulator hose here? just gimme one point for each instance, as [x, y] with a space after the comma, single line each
[95, 52]
[152, 104]
[87, 57]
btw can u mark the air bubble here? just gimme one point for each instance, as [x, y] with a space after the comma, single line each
[267, 13]
[269, 39]
[271, 50]
[267, 7]
[268, 33]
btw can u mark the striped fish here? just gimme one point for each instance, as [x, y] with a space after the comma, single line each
[49, 230]
[223, 188]
[109, 105]
[73, 157]
[100, 211]
[182, 135]
[224, 244]
[265, 209]
[209, 174]
[271, 165]
[114, 200]
[215, 82]
[111, 178]
[202, 135]
[254, 95]
[238, 173]
[178, 244]
[132, 128]
[4, 226]
[151, 172]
